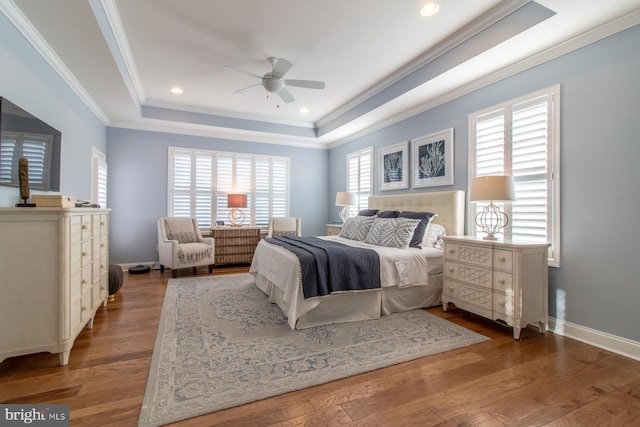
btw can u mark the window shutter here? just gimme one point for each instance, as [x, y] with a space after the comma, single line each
[7, 157]
[360, 178]
[181, 184]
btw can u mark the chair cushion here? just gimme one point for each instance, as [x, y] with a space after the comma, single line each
[180, 229]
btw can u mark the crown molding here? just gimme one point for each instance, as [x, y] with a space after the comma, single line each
[589, 37]
[24, 26]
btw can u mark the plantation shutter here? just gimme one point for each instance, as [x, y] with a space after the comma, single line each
[201, 180]
[359, 178]
[35, 148]
[7, 156]
[517, 139]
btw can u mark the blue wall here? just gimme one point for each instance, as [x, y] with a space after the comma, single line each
[596, 285]
[137, 187]
[28, 81]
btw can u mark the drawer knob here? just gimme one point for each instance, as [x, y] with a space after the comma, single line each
[501, 259]
[84, 308]
[451, 288]
[501, 281]
[84, 226]
[502, 303]
[451, 269]
[84, 281]
[452, 251]
[84, 254]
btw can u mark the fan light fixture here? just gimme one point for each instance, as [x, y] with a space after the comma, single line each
[496, 188]
[430, 8]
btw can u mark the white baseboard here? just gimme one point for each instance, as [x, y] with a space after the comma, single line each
[613, 343]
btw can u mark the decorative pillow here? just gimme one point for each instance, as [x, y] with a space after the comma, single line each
[388, 214]
[425, 218]
[357, 228]
[392, 232]
[368, 212]
[433, 236]
[181, 229]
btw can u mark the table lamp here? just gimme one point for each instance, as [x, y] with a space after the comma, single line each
[495, 188]
[345, 199]
[236, 202]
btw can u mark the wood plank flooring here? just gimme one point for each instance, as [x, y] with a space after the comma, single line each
[541, 380]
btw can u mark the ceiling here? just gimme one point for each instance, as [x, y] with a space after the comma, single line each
[381, 60]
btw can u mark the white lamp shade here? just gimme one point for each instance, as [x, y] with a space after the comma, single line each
[344, 198]
[495, 188]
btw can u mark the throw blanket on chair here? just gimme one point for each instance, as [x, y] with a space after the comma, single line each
[330, 267]
[193, 252]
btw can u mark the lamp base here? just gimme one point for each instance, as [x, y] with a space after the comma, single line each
[491, 220]
[344, 214]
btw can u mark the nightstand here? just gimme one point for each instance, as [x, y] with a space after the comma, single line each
[499, 280]
[334, 229]
[234, 245]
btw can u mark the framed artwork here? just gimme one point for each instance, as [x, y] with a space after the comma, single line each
[394, 167]
[432, 162]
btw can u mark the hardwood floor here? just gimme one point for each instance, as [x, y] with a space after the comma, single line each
[541, 380]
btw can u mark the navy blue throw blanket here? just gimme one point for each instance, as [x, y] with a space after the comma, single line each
[329, 267]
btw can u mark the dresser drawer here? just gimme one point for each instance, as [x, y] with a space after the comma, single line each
[451, 251]
[503, 304]
[503, 281]
[450, 288]
[475, 275]
[503, 259]
[476, 255]
[450, 269]
[479, 297]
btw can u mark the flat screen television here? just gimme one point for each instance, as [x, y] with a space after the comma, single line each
[23, 135]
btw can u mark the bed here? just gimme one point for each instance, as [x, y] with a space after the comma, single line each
[409, 278]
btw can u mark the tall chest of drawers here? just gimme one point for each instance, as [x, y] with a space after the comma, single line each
[499, 280]
[54, 264]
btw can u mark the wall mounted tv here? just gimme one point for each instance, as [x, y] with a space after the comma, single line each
[23, 135]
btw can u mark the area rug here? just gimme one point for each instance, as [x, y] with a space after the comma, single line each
[220, 343]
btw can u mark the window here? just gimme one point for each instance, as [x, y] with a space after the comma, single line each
[98, 177]
[521, 138]
[359, 177]
[200, 180]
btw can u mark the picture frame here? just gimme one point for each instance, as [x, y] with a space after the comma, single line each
[432, 159]
[394, 166]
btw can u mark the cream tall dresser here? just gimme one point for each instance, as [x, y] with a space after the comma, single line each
[54, 268]
[499, 280]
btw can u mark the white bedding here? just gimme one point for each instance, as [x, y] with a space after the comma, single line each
[404, 275]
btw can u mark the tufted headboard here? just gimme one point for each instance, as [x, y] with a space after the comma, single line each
[449, 205]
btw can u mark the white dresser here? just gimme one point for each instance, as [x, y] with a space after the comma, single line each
[499, 280]
[54, 267]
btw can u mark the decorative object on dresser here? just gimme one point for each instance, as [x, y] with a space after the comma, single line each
[181, 245]
[285, 226]
[499, 280]
[23, 178]
[495, 188]
[54, 265]
[346, 199]
[235, 245]
[236, 202]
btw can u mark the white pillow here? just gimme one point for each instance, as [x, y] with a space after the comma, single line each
[392, 232]
[433, 236]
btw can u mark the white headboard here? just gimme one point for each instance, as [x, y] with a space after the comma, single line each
[449, 205]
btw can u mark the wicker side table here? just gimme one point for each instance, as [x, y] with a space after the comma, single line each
[235, 245]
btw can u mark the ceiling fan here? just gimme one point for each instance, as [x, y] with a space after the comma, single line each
[274, 81]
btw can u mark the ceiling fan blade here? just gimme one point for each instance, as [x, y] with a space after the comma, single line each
[280, 67]
[309, 84]
[238, 70]
[286, 96]
[248, 88]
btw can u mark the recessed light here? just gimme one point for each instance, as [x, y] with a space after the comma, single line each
[429, 9]
[177, 90]
[304, 110]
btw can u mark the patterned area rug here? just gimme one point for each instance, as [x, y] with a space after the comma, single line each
[220, 344]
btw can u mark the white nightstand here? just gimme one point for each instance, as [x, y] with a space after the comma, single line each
[499, 280]
[333, 229]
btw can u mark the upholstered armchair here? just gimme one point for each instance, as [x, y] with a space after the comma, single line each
[181, 245]
[285, 226]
